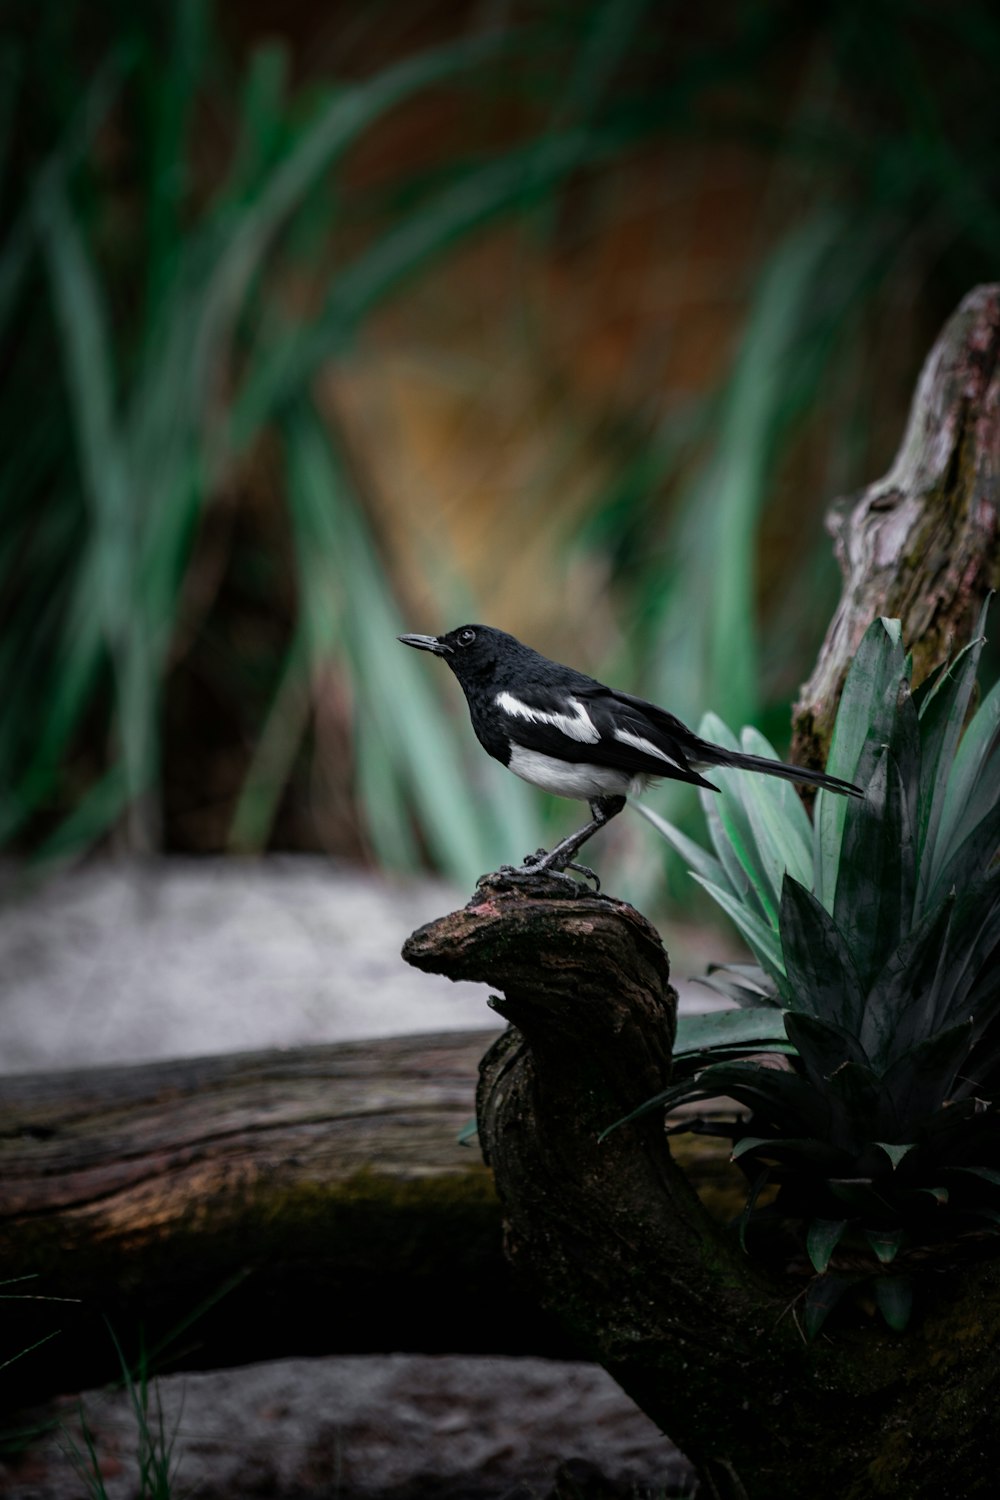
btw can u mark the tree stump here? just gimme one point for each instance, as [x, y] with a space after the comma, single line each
[608, 1234]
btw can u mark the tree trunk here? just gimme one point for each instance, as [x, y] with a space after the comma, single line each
[923, 544]
[309, 1201]
[611, 1238]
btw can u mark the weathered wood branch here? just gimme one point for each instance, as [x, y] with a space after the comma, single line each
[325, 1187]
[612, 1240]
[922, 544]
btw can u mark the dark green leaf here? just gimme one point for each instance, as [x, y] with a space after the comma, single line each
[822, 1296]
[802, 1153]
[893, 1152]
[885, 1243]
[822, 1238]
[875, 883]
[697, 859]
[761, 937]
[861, 1107]
[972, 785]
[822, 1047]
[894, 1295]
[971, 860]
[745, 984]
[862, 1199]
[923, 1079]
[985, 1174]
[937, 1195]
[747, 1144]
[822, 978]
[867, 708]
[909, 994]
[942, 716]
[728, 1029]
[759, 1184]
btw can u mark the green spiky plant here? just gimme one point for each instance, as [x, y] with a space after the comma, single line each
[876, 929]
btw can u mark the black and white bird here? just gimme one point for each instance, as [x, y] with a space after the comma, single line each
[571, 735]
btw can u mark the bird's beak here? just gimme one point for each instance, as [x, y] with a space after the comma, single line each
[426, 643]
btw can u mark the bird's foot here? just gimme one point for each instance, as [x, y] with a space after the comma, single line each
[529, 876]
[549, 864]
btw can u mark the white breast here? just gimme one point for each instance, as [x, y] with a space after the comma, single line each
[572, 779]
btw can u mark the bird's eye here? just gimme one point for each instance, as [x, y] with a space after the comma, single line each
[466, 637]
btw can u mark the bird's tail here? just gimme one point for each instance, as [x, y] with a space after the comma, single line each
[737, 760]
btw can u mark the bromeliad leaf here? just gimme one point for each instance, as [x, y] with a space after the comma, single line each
[909, 992]
[822, 1296]
[822, 1238]
[876, 881]
[777, 817]
[745, 984]
[972, 783]
[942, 715]
[865, 715]
[822, 1046]
[821, 976]
[756, 1030]
[761, 937]
[922, 1081]
[886, 972]
[698, 860]
[894, 1295]
[885, 1243]
[729, 805]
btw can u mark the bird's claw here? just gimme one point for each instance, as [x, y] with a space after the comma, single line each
[535, 864]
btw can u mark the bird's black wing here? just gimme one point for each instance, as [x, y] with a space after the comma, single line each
[656, 742]
[591, 723]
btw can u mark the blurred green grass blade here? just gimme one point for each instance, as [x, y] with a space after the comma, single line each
[350, 112]
[94, 815]
[382, 795]
[418, 742]
[172, 95]
[278, 742]
[714, 539]
[479, 197]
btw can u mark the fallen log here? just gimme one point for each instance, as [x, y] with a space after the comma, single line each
[237, 1208]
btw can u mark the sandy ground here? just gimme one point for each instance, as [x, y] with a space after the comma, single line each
[397, 1427]
[123, 963]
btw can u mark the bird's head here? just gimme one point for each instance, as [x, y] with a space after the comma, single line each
[471, 651]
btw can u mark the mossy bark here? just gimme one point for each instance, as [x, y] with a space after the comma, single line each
[608, 1234]
[313, 1201]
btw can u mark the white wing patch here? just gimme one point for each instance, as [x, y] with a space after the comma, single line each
[646, 746]
[577, 726]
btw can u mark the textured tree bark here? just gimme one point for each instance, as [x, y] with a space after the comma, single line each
[608, 1234]
[313, 1201]
[309, 1201]
[922, 544]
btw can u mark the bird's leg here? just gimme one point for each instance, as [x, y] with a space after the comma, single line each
[560, 858]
